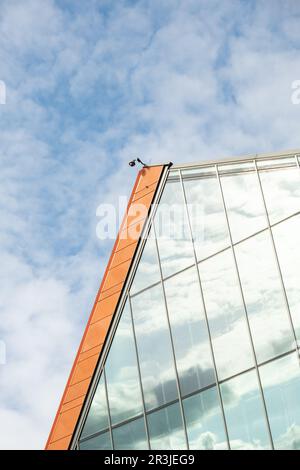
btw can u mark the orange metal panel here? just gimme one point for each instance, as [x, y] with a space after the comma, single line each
[84, 369]
[66, 423]
[77, 390]
[104, 308]
[61, 444]
[96, 333]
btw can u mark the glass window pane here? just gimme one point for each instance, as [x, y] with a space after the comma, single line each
[281, 384]
[97, 418]
[237, 167]
[172, 231]
[207, 215]
[154, 347]
[189, 330]
[123, 387]
[244, 413]
[244, 203]
[286, 237]
[276, 162]
[166, 429]
[205, 425]
[130, 436]
[101, 442]
[147, 272]
[282, 192]
[226, 315]
[264, 297]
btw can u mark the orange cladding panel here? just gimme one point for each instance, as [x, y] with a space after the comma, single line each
[104, 308]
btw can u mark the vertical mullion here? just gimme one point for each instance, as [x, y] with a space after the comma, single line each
[297, 161]
[108, 409]
[172, 342]
[139, 373]
[205, 313]
[278, 265]
[245, 309]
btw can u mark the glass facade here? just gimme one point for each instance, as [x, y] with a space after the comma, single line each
[206, 351]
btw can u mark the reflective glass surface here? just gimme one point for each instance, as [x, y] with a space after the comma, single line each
[226, 315]
[244, 203]
[286, 236]
[180, 316]
[204, 422]
[101, 442]
[266, 307]
[282, 192]
[189, 331]
[97, 418]
[148, 268]
[172, 231]
[166, 429]
[281, 384]
[208, 219]
[244, 412]
[130, 436]
[123, 386]
[154, 347]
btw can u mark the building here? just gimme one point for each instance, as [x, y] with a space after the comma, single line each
[193, 341]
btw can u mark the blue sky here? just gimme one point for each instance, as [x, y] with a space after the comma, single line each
[90, 85]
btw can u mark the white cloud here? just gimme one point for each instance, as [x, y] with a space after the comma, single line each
[87, 89]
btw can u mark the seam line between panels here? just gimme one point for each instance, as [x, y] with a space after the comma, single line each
[205, 312]
[278, 265]
[245, 310]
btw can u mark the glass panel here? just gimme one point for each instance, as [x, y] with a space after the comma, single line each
[286, 237]
[97, 418]
[190, 336]
[244, 412]
[236, 167]
[199, 172]
[130, 436]
[154, 347]
[205, 426]
[282, 192]
[101, 442]
[264, 297]
[172, 231]
[226, 315]
[166, 429]
[276, 162]
[244, 203]
[147, 272]
[123, 387]
[281, 384]
[207, 216]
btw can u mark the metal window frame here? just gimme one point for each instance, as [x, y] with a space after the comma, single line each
[126, 296]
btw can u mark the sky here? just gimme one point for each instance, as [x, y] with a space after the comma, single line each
[89, 86]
